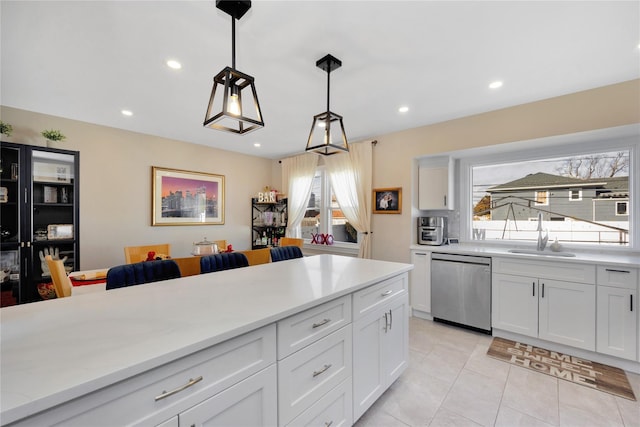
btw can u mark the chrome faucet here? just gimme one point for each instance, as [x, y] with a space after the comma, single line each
[542, 241]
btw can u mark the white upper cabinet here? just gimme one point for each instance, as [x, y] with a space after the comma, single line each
[435, 186]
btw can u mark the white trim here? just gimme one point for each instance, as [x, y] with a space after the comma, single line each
[615, 209]
[546, 198]
[571, 199]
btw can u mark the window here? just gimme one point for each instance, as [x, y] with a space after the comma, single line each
[508, 196]
[622, 208]
[323, 214]
[542, 198]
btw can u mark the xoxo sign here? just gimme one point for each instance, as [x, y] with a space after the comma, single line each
[322, 239]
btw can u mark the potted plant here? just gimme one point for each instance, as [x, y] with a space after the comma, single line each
[5, 129]
[52, 135]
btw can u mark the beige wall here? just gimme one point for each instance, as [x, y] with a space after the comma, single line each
[115, 186]
[393, 156]
[115, 168]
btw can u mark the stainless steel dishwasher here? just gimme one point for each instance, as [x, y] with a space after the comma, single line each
[461, 289]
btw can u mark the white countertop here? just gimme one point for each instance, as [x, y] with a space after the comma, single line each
[56, 350]
[617, 258]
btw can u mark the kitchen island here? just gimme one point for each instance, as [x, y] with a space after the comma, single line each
[89, 358]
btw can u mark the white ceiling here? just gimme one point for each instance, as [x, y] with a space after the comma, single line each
[88, 60]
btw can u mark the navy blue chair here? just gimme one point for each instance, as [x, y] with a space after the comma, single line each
[142, 272]
[285, 252]
[224, 261]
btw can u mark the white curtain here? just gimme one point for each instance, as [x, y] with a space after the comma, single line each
[297, 177]
[350, 176]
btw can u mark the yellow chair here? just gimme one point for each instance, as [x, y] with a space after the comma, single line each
[291, 241]
[222, 245]
[258, 256]
[189, 266]
[133, 254]
[61, 282]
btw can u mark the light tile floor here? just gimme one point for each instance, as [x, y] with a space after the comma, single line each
[452, 382]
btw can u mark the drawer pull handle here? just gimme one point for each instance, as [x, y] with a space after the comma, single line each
[631, 302]
[387, 293]
[321, 371]
[179, 389]
[617, 271]
[322, 322]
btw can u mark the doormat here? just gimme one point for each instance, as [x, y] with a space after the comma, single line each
[579, 371]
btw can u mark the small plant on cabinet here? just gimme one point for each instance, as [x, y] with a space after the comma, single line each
[53, 135]
[5, 128]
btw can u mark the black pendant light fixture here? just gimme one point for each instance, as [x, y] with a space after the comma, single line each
[233, 96]
[327, 131]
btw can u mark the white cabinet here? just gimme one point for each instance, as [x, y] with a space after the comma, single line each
[530, 302]
[435, 187]
[420, 282]
[380, 346]
[334, 409]
[252, 402]
[567, 313]
[514, 303]
[156, 396]
[617, 311]
[315, 357]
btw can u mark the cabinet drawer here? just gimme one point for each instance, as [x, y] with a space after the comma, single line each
[618, 277]
[134, 401]
[557, 270]
[333, 409]
[310, 373]
[302, 329]
[369, 299]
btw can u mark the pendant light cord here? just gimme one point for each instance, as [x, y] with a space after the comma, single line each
[233, 42]
[328, 86]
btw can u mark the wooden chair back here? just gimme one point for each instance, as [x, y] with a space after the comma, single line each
[133, 254]
[222, 245]
[189, 266]
[291, 241]
[258, 256]
[61, 282]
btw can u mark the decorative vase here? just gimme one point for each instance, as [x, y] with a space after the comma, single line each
[51, 144]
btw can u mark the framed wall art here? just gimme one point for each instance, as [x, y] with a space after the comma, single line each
[387, 200]
[187, 198]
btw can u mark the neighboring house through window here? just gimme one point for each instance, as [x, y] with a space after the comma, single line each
[583, 194]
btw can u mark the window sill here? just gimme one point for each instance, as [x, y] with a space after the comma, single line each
[336, 249]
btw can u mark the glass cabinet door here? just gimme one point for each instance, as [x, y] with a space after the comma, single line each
[11, 198]
[53, 214]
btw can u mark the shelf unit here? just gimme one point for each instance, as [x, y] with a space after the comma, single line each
[268, 222]
[39, 206]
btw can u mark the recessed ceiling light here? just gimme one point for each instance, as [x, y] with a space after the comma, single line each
[403, 109]
[495, 85]
[174, 64]
[257, 145]
[127, 113]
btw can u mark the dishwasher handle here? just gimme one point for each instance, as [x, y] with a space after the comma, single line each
[465, 259]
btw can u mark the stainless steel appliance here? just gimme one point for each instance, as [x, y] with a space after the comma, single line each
[432, 230]
[461, 289]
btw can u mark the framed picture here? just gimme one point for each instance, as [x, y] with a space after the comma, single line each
[187, 198]
[387, 200]
[59, 231]
[52, 172]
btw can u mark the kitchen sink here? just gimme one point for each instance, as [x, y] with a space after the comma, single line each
[540, 253]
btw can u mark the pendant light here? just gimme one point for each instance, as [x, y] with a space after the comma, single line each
[233, 96]
[327, 131]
